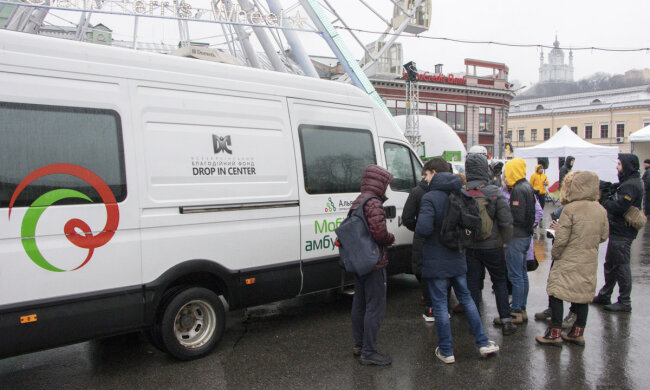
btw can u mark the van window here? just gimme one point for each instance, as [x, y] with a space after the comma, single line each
[417, 167]
[403, 165]
[333, 158]
[33, 136]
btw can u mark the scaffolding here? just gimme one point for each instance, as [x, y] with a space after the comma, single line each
[412, 131]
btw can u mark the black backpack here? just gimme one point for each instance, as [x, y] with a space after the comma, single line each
[462, 221]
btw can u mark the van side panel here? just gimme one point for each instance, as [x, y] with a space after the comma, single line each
[220, 185]
[67, 138]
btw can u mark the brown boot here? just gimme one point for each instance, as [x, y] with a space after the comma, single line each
[518, 317]
[576, 336]
[553, 336]
[524, 315]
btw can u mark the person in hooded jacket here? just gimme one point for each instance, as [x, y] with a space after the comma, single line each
[573, 276]
[539, 182]
[442, 266]
[566, 168]
[646, 186]
[617, 259]
[487, 253]
[409, 219]
[496, 170]
[369, 302]
[522, 207]
[545, 314]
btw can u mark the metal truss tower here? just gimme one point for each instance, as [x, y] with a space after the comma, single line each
[412, 131]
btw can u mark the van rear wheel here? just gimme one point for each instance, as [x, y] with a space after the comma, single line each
[192, 323]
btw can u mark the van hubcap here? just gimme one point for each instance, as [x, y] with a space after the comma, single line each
[195, 323]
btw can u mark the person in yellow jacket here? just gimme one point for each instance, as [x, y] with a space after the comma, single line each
[539, 181]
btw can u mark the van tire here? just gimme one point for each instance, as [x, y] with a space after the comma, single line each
[192, 323]
[154, 334]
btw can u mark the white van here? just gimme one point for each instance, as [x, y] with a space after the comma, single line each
[140, 191]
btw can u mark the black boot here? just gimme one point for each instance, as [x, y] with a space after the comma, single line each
[618, 306]
[600, 300]
[508, 328]
[376, 359]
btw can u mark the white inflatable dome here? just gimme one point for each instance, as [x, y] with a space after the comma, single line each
[436, 135]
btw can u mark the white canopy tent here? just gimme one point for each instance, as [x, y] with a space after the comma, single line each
[640, 141]
[588, 157]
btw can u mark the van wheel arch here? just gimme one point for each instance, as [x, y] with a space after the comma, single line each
[190, 274]
[200, 273]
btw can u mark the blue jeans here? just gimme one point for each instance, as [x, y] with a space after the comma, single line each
[438, 289]
[517, 271]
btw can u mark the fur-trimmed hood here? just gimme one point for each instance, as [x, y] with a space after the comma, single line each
[580, 185]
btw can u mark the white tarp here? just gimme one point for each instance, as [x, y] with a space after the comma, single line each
[588, 157]
[640, 142]
[642, 135]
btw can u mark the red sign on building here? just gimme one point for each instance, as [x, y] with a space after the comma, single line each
[439, 78]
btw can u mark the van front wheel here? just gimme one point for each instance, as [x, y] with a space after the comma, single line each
[192, 323]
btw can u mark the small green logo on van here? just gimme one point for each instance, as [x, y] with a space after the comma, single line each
[76, 231]
[329, 206]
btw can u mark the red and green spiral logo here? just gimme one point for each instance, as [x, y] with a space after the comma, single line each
[76, 231]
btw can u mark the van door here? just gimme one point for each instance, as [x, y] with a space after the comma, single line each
[219, 184]
[69, 238]
[334, 144]
[406, 169]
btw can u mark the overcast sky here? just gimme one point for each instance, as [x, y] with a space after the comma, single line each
[599, 23]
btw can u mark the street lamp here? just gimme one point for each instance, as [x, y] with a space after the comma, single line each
[411, 70]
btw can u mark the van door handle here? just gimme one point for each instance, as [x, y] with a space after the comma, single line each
[391, 212]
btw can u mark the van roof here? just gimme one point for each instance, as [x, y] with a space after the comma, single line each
[47, 53]
[132, 64]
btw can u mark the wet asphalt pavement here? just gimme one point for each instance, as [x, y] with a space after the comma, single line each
[306, 343]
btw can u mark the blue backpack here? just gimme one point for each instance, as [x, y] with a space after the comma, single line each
[358, 250]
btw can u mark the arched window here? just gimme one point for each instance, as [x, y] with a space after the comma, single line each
[539, 107]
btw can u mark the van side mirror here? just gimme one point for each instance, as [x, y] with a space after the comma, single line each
[391, 212]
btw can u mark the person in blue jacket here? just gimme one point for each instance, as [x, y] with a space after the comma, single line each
[442, 266]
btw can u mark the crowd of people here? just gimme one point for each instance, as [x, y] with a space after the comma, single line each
[466, 224]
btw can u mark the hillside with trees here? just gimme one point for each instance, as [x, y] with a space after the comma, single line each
[596, 82]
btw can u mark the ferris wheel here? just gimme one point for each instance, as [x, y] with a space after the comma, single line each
[235, 37]
[267, 34]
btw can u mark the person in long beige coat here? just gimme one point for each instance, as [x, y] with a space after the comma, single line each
[582, 227]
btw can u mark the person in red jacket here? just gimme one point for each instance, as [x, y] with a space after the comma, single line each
[369, 302]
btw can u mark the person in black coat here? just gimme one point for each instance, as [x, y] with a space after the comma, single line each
[488, 253]
[566, 168]
[646, 186]
[522, 208]
[617, 259]
[409, 219]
